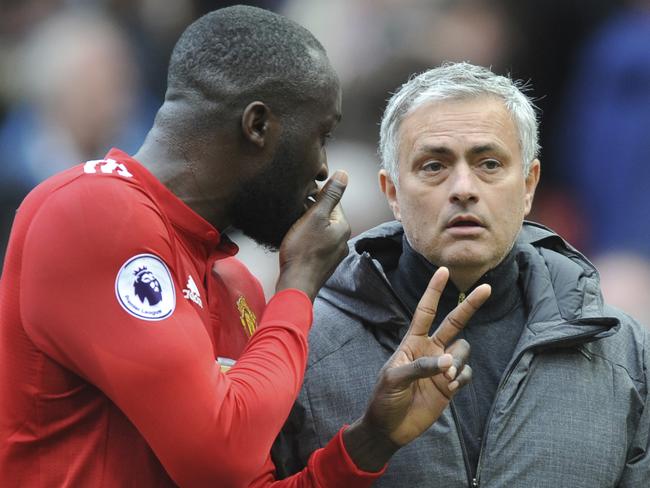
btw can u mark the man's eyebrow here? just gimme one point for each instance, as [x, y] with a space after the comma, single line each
[476, 150]
[440, 150]
[484, 148]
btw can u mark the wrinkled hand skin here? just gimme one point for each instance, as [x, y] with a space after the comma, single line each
[317, 242]
[419, 380]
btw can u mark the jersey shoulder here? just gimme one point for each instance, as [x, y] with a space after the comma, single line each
[103, 189]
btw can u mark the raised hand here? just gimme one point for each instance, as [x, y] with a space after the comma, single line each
[418, 381]
[317, 242]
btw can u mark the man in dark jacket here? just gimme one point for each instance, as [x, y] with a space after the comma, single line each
[559, 396]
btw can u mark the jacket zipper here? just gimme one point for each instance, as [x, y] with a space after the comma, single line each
[475, 483]
[463, 448]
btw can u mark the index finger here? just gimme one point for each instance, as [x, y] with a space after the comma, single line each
[330, 195]
[457, 319]
[428, 304]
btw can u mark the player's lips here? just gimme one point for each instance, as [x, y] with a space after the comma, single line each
[465, 225]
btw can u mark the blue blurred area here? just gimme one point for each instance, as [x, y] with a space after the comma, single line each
[605, 135]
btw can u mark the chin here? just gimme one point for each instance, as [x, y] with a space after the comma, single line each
[467, 256]
[271, 232]
[466, 263]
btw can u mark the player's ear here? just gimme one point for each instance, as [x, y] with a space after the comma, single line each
[259, 125]
[389, 189]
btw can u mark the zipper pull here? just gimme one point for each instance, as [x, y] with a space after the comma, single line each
[461, 297]
[474, 483]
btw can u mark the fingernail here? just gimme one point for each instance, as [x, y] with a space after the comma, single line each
[340, 176]
[453, 385]
[445, 361]
[451, 373]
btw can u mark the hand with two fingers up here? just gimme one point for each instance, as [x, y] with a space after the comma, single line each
[419, 380]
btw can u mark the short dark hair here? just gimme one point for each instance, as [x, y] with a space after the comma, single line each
[236, 54]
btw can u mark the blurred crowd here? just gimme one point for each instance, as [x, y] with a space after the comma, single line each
[79, 77]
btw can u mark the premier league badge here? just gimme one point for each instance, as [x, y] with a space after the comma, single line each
[145, 289]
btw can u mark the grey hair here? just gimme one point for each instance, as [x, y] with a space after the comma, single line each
[455, 81]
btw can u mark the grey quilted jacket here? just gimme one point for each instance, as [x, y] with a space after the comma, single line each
[572, 407]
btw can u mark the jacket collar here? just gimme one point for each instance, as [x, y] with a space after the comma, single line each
[413, 272]
[560, 287]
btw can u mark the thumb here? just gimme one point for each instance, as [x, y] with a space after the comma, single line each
[331, 193]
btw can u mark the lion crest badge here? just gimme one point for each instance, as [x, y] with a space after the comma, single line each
[144, 288]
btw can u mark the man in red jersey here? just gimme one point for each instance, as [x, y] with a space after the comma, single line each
[135, 350]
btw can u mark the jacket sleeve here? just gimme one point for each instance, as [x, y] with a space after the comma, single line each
[297, 440]
[207, 428]
[637, 467]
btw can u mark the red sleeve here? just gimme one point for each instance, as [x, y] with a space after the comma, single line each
[207, 428]
[329, 467]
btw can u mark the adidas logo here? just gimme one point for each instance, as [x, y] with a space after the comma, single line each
[191, 292]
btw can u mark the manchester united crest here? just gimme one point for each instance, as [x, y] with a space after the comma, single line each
[246, 316]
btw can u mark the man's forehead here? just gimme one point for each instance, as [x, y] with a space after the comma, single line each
[479, 107]
[481, 121]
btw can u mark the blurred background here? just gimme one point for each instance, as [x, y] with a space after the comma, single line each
[79, 77]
